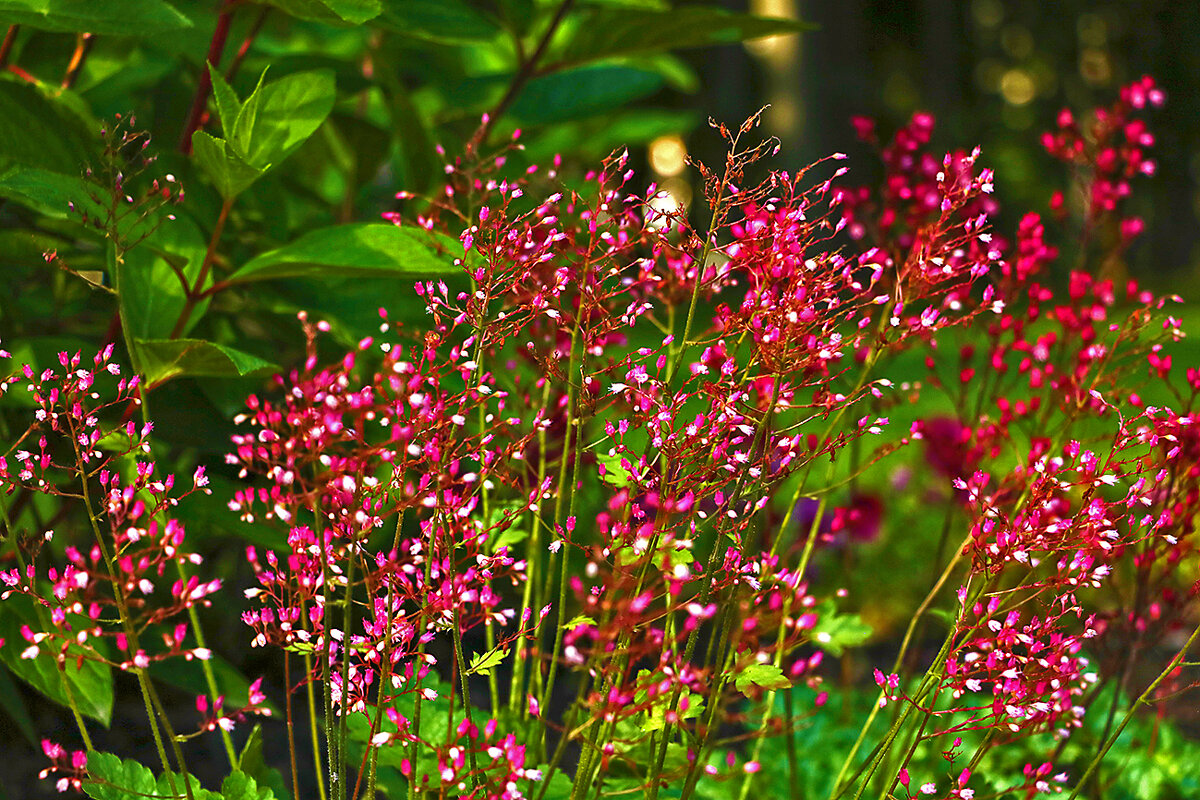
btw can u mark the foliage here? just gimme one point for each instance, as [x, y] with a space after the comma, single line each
[590, 511]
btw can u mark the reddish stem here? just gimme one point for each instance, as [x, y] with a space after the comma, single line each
[195, 293]
[200, 100]
[6, 47]
[527, 70]
[83, 45]
[240, 55]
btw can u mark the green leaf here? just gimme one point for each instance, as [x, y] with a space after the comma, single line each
[765, 676]
[110, 778]
[104, 17]
[359, 249]
[835, 632]
[577, 620]
[38, 131]
[162, 359]
[151, 294]
[228, 105]
[614, 472]
[14, 705]
[583, 91]
[91, 684]
[509, 538]
[251, 763]
[47, 192]
[229, 172]
[484, 663]
[440, 21]
[287, 112]
[354, 12]
[603, 32]
[114, 779]
[240, 786]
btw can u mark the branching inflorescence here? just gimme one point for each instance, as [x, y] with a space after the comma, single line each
[575, 535]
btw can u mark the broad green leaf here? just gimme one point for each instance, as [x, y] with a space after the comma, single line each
[229, 172]
[354, 12]
[151, 293]
[484, 663]
[14, 705]
[765, 676]
[509, 538]
[162, 359]
[91, 684]
[110, 778]
[288, 111]
[48, 192]
[228, 104]
[441, 21]
[359, 249]
[835, 632]
[114, 779]
[37, 131]
[240, 786]
[104, 17]
[614, 472]
[252, 763]
[583, 91]
[603, 32]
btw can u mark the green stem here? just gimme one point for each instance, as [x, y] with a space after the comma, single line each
[1143, 698]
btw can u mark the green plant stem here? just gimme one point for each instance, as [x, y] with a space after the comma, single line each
[123, 615]
[1143, 699]
[313, 725]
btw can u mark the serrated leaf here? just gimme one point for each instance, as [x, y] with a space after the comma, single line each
[228, 104]
[114, 779]
[835, 632]
[240, 786]
[151, 295]
[509, 537]
[614, 473]
[764, 676]
[162, 359]
[484, 663]
[229, 172]
[48, 192]
[104, 17]
[583, 91]
[358, 249]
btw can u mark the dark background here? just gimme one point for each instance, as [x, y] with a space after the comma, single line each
[993, 74]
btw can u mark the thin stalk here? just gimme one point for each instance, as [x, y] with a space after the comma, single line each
[83, 45]
[1143, 698]
[10, 38]
[526, 71]
[216, 47]
[196, 293]
[291, 719]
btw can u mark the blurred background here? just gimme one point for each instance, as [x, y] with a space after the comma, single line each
[993, 74]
